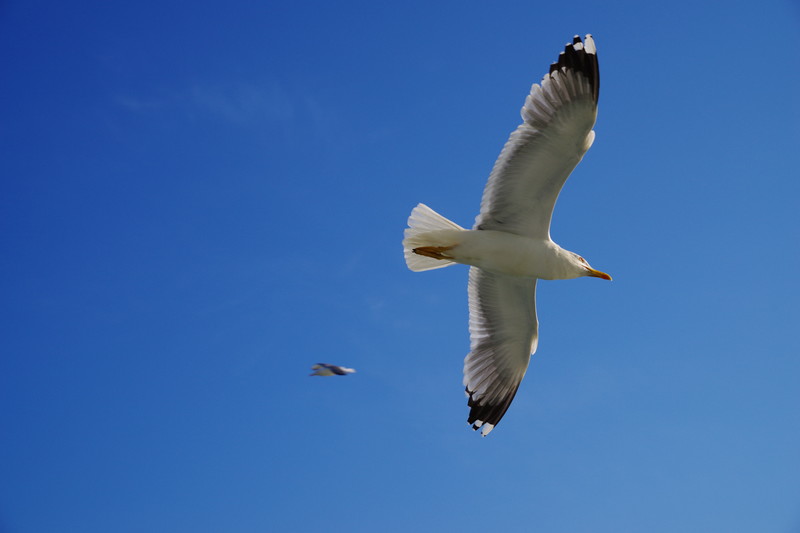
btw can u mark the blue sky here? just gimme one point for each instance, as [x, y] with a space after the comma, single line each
[202, 199]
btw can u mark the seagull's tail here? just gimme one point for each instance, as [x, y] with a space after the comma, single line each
[428, 237]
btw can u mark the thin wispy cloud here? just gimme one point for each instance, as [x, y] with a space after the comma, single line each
[238, 102]
[243, 102]
[137, 104]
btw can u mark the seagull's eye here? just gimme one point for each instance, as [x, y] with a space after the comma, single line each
[582, 260]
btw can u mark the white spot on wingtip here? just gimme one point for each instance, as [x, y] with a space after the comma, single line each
[487, 429]
[589, 44]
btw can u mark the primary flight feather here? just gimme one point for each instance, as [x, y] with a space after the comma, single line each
[509, 247]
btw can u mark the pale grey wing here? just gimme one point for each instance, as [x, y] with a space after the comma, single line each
[503, 335]
[542, 152]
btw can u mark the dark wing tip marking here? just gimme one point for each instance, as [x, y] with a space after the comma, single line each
[333, 368]
[575, 57]
[488, 413]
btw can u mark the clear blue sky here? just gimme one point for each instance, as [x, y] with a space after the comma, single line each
[200, 200]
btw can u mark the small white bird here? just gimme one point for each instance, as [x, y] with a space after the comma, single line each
[509, 247]
[324, 369]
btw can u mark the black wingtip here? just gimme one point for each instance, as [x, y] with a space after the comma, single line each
[488, 413]
[576, 57]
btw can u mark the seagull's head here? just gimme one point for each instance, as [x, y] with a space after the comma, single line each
[585, 270]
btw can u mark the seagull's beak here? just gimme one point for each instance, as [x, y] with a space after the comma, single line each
[597, 274]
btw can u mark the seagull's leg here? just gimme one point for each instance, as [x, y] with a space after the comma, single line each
[434, 252]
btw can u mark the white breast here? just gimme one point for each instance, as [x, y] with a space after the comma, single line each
[514, 255]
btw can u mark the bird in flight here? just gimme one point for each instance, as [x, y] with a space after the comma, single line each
[509, 248]
[324, 369]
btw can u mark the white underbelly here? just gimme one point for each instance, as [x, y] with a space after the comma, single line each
[506, 253]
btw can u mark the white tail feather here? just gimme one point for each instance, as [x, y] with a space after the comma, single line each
[426, 227]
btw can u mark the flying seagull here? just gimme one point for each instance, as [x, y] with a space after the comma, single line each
[324, 369]
[509, 247]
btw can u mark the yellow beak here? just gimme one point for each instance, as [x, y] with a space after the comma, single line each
[597, 274]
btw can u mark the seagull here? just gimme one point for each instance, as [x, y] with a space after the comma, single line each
[509, 248]
[324, 369]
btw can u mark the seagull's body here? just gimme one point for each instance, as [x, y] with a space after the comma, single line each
[509, 254]
[509, 247]
[324, 369]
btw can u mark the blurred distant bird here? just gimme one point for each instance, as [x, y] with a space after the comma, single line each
[509, 247]
[324, 369]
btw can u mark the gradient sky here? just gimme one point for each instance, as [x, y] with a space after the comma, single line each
[202, 199]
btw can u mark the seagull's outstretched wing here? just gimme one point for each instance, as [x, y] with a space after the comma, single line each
[542, 152]
[503, 335]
